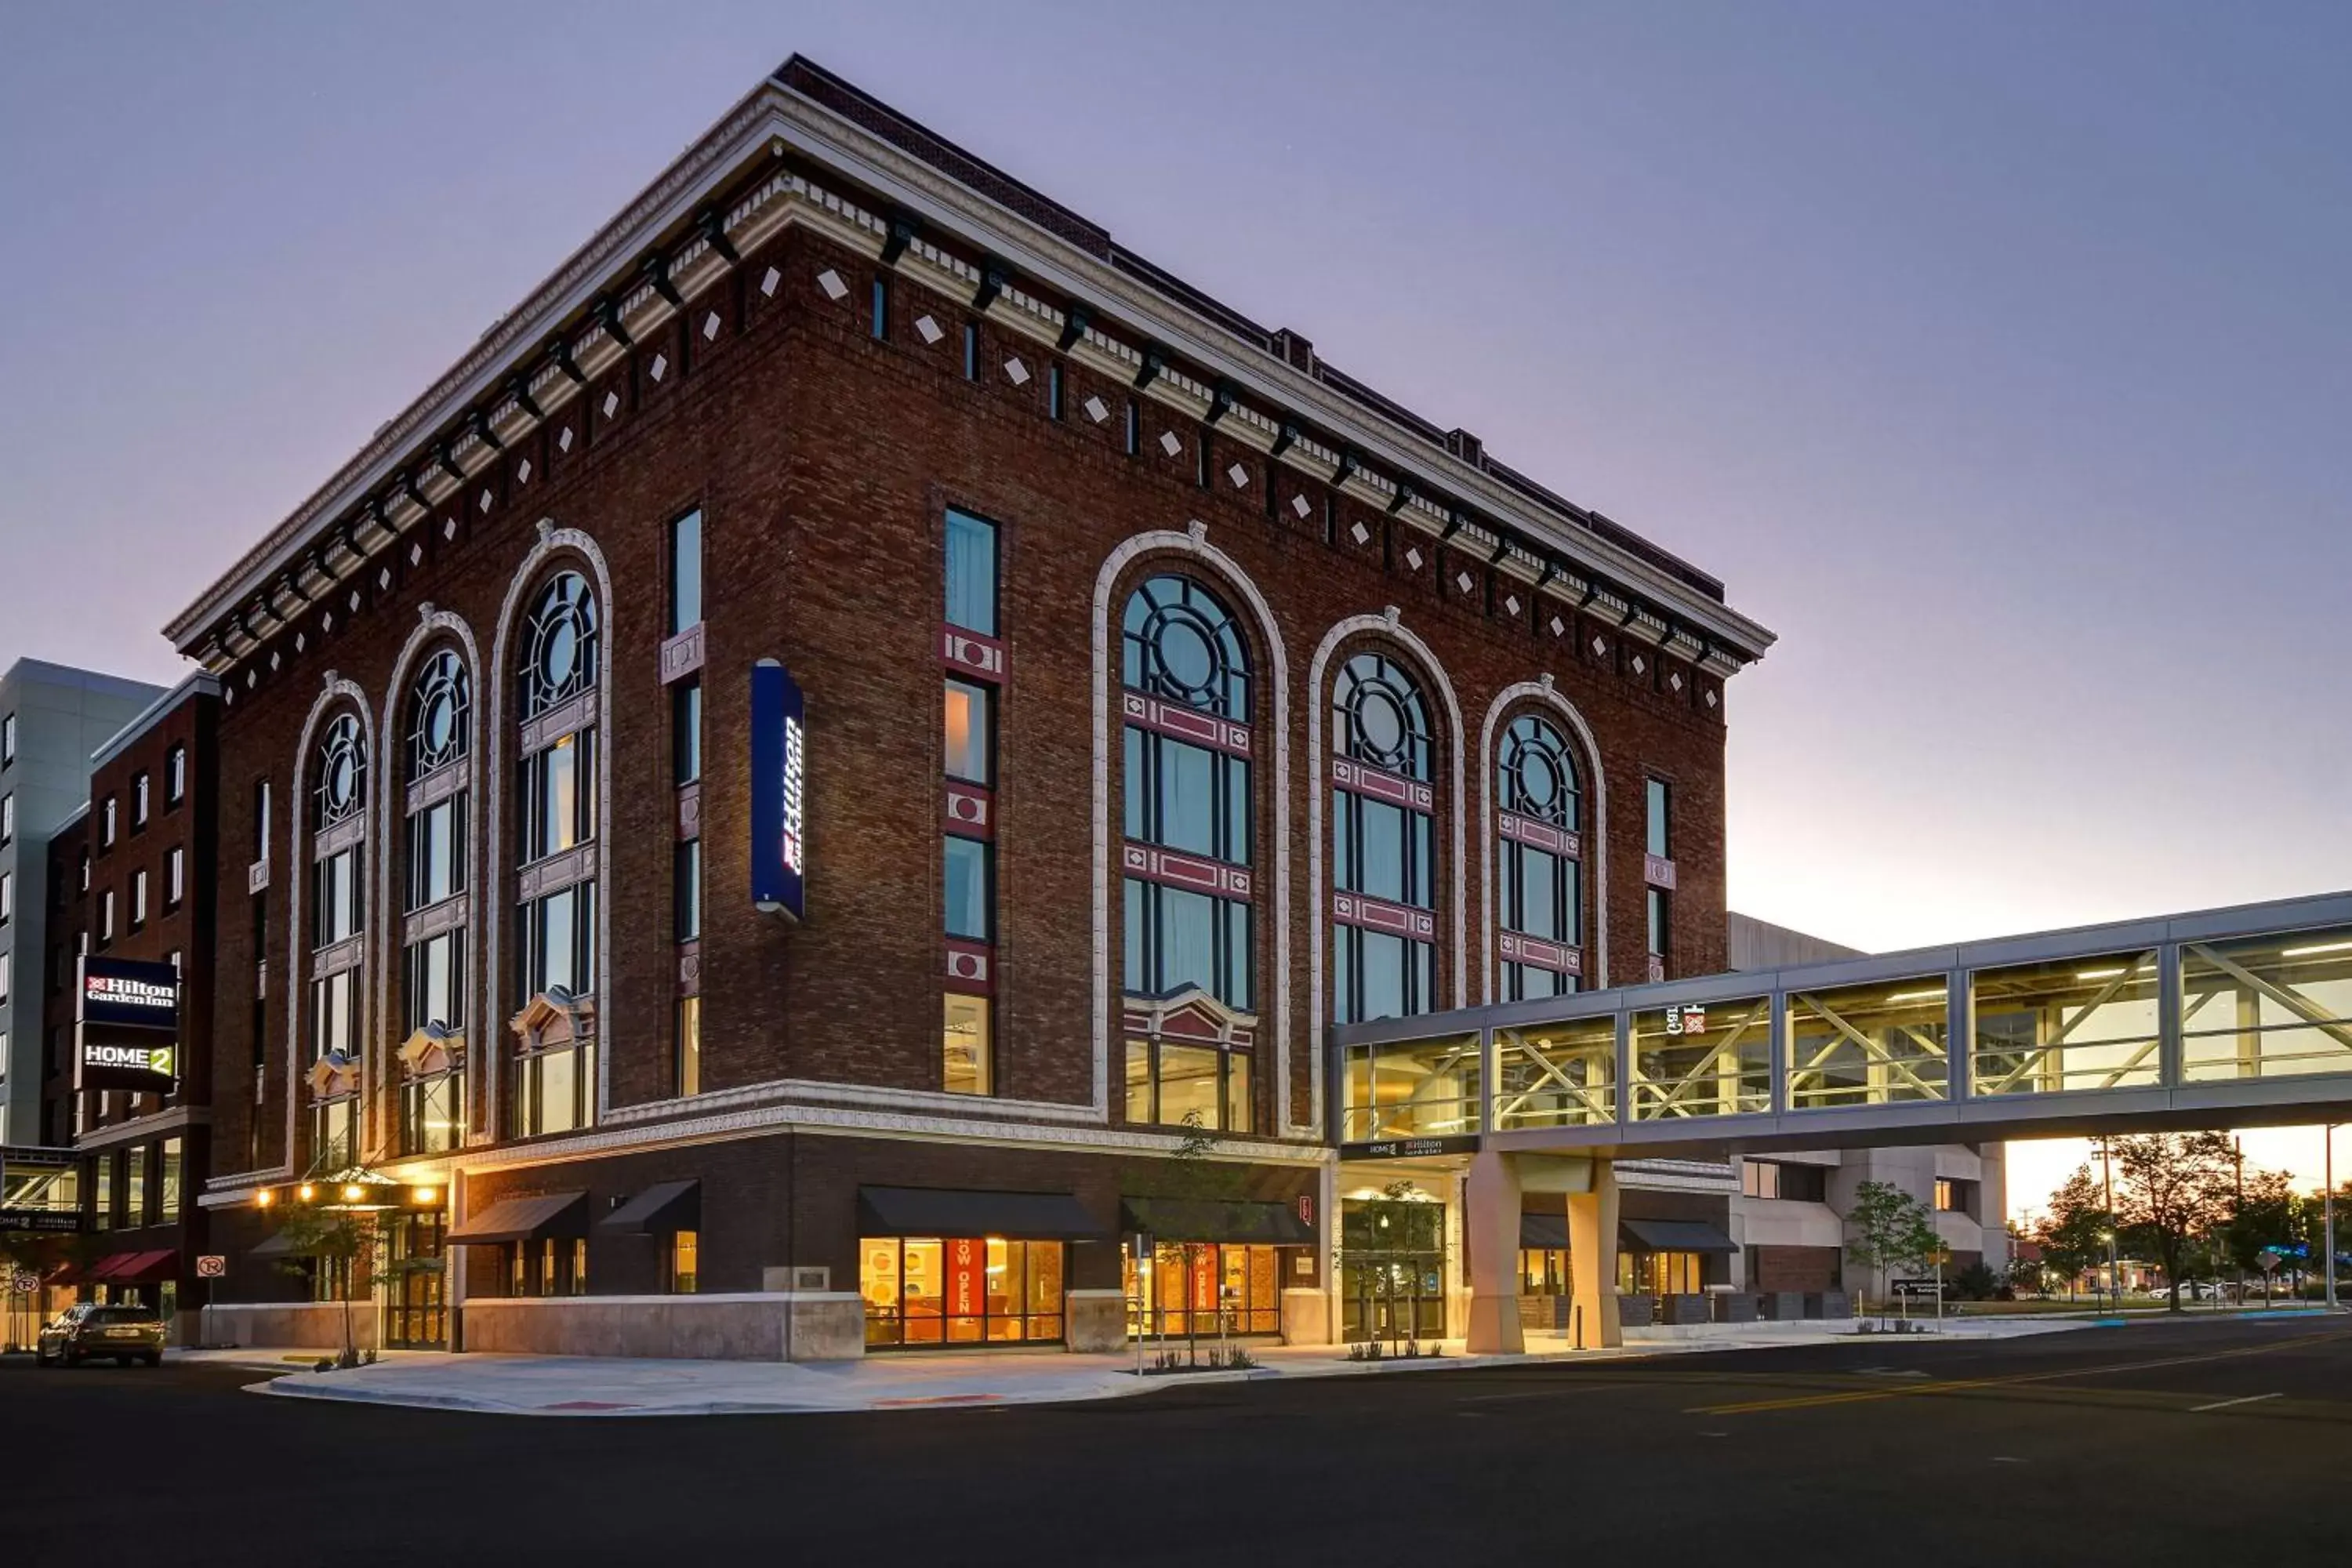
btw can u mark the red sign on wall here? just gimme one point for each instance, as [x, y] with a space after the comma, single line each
[967, 1275]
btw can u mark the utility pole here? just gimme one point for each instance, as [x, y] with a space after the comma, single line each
[2114, 1273]
[2327, 1205]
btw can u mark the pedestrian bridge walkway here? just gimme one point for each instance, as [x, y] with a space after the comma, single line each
[2227, 1019]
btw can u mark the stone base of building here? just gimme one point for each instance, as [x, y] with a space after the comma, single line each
[290, 1325]
[828, 1325]
[1306, 1318]
[1098, 1320]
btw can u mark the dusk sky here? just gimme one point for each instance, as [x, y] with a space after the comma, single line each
[1999, 358]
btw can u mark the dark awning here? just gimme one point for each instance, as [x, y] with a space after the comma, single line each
[105, 1267]
[146, 1268]
[278, 1244]
[1673, 1235]
[662, 1209]
[1543, 1231]
[934, 1211]
[560, 1215]
[1216, 1219]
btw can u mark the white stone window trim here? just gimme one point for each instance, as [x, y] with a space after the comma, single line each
[1544, 693]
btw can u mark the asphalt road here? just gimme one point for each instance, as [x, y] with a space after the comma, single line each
[2212, 1444]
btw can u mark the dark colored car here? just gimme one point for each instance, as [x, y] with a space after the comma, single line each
[86, 1332]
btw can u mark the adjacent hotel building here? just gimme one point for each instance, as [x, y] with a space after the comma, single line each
[788, 784]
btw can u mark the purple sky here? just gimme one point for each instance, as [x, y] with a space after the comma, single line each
[2001, 361]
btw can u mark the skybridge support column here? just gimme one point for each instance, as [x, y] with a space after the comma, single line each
[1593, 1257]
[1490, 1228]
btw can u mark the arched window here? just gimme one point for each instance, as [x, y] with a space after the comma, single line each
[1539, 895]
[1186, 754]
[339, 770]
[434, 934]
[1383, 843]
[554, 1088]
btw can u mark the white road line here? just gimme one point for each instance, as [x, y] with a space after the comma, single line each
[2225, 1403]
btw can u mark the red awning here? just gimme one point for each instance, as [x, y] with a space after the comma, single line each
[105, 1267]
[146, 1267]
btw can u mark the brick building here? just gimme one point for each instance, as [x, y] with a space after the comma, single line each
[1168, 695]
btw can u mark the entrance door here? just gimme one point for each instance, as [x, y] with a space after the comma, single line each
[417, 1317]
[1392, 1270]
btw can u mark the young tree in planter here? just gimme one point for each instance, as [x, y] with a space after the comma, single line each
[1888, 1226]
[2074, 1235]
[1191, 1172]
[2171, 1188]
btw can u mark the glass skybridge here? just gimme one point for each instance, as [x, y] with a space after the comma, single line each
[2230, 1017]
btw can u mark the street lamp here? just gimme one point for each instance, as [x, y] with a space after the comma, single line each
[2328, 1205]
[2115, 1275]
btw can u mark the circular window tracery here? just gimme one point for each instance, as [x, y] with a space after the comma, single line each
[440, 704]
[559, 645]
[1379, 716]
[1182, 643]
[1536, 772]
[339, 791]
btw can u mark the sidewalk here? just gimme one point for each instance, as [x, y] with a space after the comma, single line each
[595, 1385]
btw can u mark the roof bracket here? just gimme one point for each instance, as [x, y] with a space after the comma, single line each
[1285, 439]
[519, 388]
[714, 233]
[489, 437]
[560, 352]
[902, 235]
[1347, 467]
[1220, 403]
[1074, 322]
[1403, 497]
[994, 276]
[608, 316]
[655, 266]
[441, 455]
[1155, 360]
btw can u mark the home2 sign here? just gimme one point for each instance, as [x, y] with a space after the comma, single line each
[127, 1026]
[779, 791]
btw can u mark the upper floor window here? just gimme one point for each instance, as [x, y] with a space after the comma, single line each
[972, 573]
[106, 823]
[1180, 644]
[685, 572]
[1660, 837]
[139, 800]
[560, 645]
[439, 706]
[8, 817]
[339, 790]
[262, 819]
[1539, 893]
[7, 896]
[1383, 843]
[175, 775]
[1380, 718]
[1535, 777]
[7, 740]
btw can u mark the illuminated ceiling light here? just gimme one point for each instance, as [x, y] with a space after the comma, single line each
[264, 1198]
[1938, 994]
[2316, 949]
[306, 1192]
[2101, 974]
[427, 1195]
[353, 1193]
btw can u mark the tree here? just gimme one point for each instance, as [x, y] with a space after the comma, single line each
[1193, 1175]
[2074, 1236]
[2267, 1214]
[1888, 1226]
[2173, 1188]
[355, 1245]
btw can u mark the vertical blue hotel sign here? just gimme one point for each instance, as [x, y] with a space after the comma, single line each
[779, 791]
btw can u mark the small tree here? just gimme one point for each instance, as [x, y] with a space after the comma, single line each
[2174, 1188]
[354, 1246]
[1888, 1226]
[1191, 1172]
[2074, 1235]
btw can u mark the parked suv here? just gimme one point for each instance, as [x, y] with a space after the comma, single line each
[85, 1330]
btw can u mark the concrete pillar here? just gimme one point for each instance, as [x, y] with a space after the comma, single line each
[1592, 1257]
[1490, 1229]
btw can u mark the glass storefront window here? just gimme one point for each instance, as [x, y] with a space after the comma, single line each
[959, 1291]
[1416, 1088]
[2266, 1006]
[1557, 1075]
[2077, 1022]
[1543, 1271]
[1711, 1058]
[1204, 1287]
[1882, 1043]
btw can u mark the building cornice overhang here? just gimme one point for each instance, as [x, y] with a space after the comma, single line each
[1257, 397]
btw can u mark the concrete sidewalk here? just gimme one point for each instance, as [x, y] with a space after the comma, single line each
[595, 1385]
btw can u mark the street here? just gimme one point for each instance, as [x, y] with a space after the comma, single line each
[2190, 1442]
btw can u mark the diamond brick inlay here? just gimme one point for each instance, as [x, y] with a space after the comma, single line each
[660, 367]
[1239, 475]
[1511, 602]
[611, 401]
[1710, 699]
[1638, 666]
[1170, 444]
[1464, 581]
[830, 282]
[1559, 627]
[1095, 409]
[448, 528]
[1302, 506]
[769, 284]
[1015, 372]
[384, 577]
[930, 330]
[710, 326]
[1412, 557]
[563, 440]
[483, 500]
[1361, 534]
[1600, 647]
[523, 472]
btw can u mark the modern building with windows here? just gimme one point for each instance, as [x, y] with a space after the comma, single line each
[861, 726]
[52, 719]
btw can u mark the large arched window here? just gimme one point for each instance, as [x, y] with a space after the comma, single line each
[433, 953]
[554, 1078]
[1187, 749]
[339, 775]
[1383, 843]
[1539, 895]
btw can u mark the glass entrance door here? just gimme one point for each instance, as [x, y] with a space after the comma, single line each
[1392, 1270]
[417, 1317]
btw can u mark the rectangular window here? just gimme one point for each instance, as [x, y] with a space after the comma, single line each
[1170, 1083]
[687, 1067]
[8, 816]
[880, 323]
[168, 1190]
[1176, 938]
[1186, 797]
[106, 916]
[686, 891]
[334, 1007]
[139, 898]
[135, 1187]
[175, 775]
[1660, 843]
[972, 573]
[1053, 390]
[101, 1193]
[1661, 921]
[175, 875]
[555, 1090]
[432, 1113]
[684, 1262]
[7, 740]
[969, 733]
[971, 351]
[965, 1053]
[966, 887]
[685, 732]
[138, 794]
[1946, 1201]
[1381, 851]
[1131, 436]
[7, 897]
[685, 573]
[559, 797]
[262, 819]
[335, 899]
[436, 852]
[7, 974]
[432, 982]
[1377, 975]
[559, 941]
